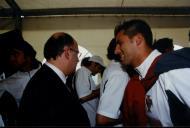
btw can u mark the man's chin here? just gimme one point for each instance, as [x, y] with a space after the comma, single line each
[123, 62]
[72, 72]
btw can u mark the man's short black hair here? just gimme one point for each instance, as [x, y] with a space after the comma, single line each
[25, 47]
[55, 44]
[133, 27]
[111, 50]
[11, 37]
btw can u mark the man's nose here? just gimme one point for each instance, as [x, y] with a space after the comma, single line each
[77, 59]
[117, 50]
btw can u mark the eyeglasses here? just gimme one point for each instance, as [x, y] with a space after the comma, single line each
[76, 51]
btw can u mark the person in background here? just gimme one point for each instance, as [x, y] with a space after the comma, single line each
[85, 61]
[150, 105]
[71, 77]
[112, 89]
[85, 87]
[164, 45]
[21, 58]
[20, 65]
[47, 100]
[7, 40]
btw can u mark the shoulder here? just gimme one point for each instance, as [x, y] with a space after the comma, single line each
[115, 68]
[173, 60]
[44, 75]
[83, 70]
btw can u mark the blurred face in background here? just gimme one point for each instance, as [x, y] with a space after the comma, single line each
[17, 59]
[96, 68]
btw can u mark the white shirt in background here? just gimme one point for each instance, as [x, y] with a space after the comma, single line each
[112, 89]
[84, 85]
[16, 83]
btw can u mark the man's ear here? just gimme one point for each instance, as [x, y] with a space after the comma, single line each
[138, 39]
[67, 54]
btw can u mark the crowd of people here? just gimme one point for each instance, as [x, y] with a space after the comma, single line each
[145, 83]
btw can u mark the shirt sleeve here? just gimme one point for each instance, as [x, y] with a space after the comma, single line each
[111, 98]
[82, 84]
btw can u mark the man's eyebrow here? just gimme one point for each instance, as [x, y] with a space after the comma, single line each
[118, 42]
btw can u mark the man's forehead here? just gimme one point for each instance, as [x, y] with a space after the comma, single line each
[120, 35]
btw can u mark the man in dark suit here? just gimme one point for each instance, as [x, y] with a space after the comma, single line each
[47, 100]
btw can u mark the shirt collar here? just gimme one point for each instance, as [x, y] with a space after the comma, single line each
[115, 62]
[57, 71]
[143, 68]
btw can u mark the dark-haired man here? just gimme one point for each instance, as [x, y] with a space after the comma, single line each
[134, 39]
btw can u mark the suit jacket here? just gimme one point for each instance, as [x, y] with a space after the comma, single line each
[47, 101]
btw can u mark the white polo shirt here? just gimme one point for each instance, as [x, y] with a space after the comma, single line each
[176, 81]
[112, 89]
[84, 85]
[16, 83]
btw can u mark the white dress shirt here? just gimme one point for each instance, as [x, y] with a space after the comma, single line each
[57, 71]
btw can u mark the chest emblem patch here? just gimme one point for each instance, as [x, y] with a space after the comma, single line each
[148, 102]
